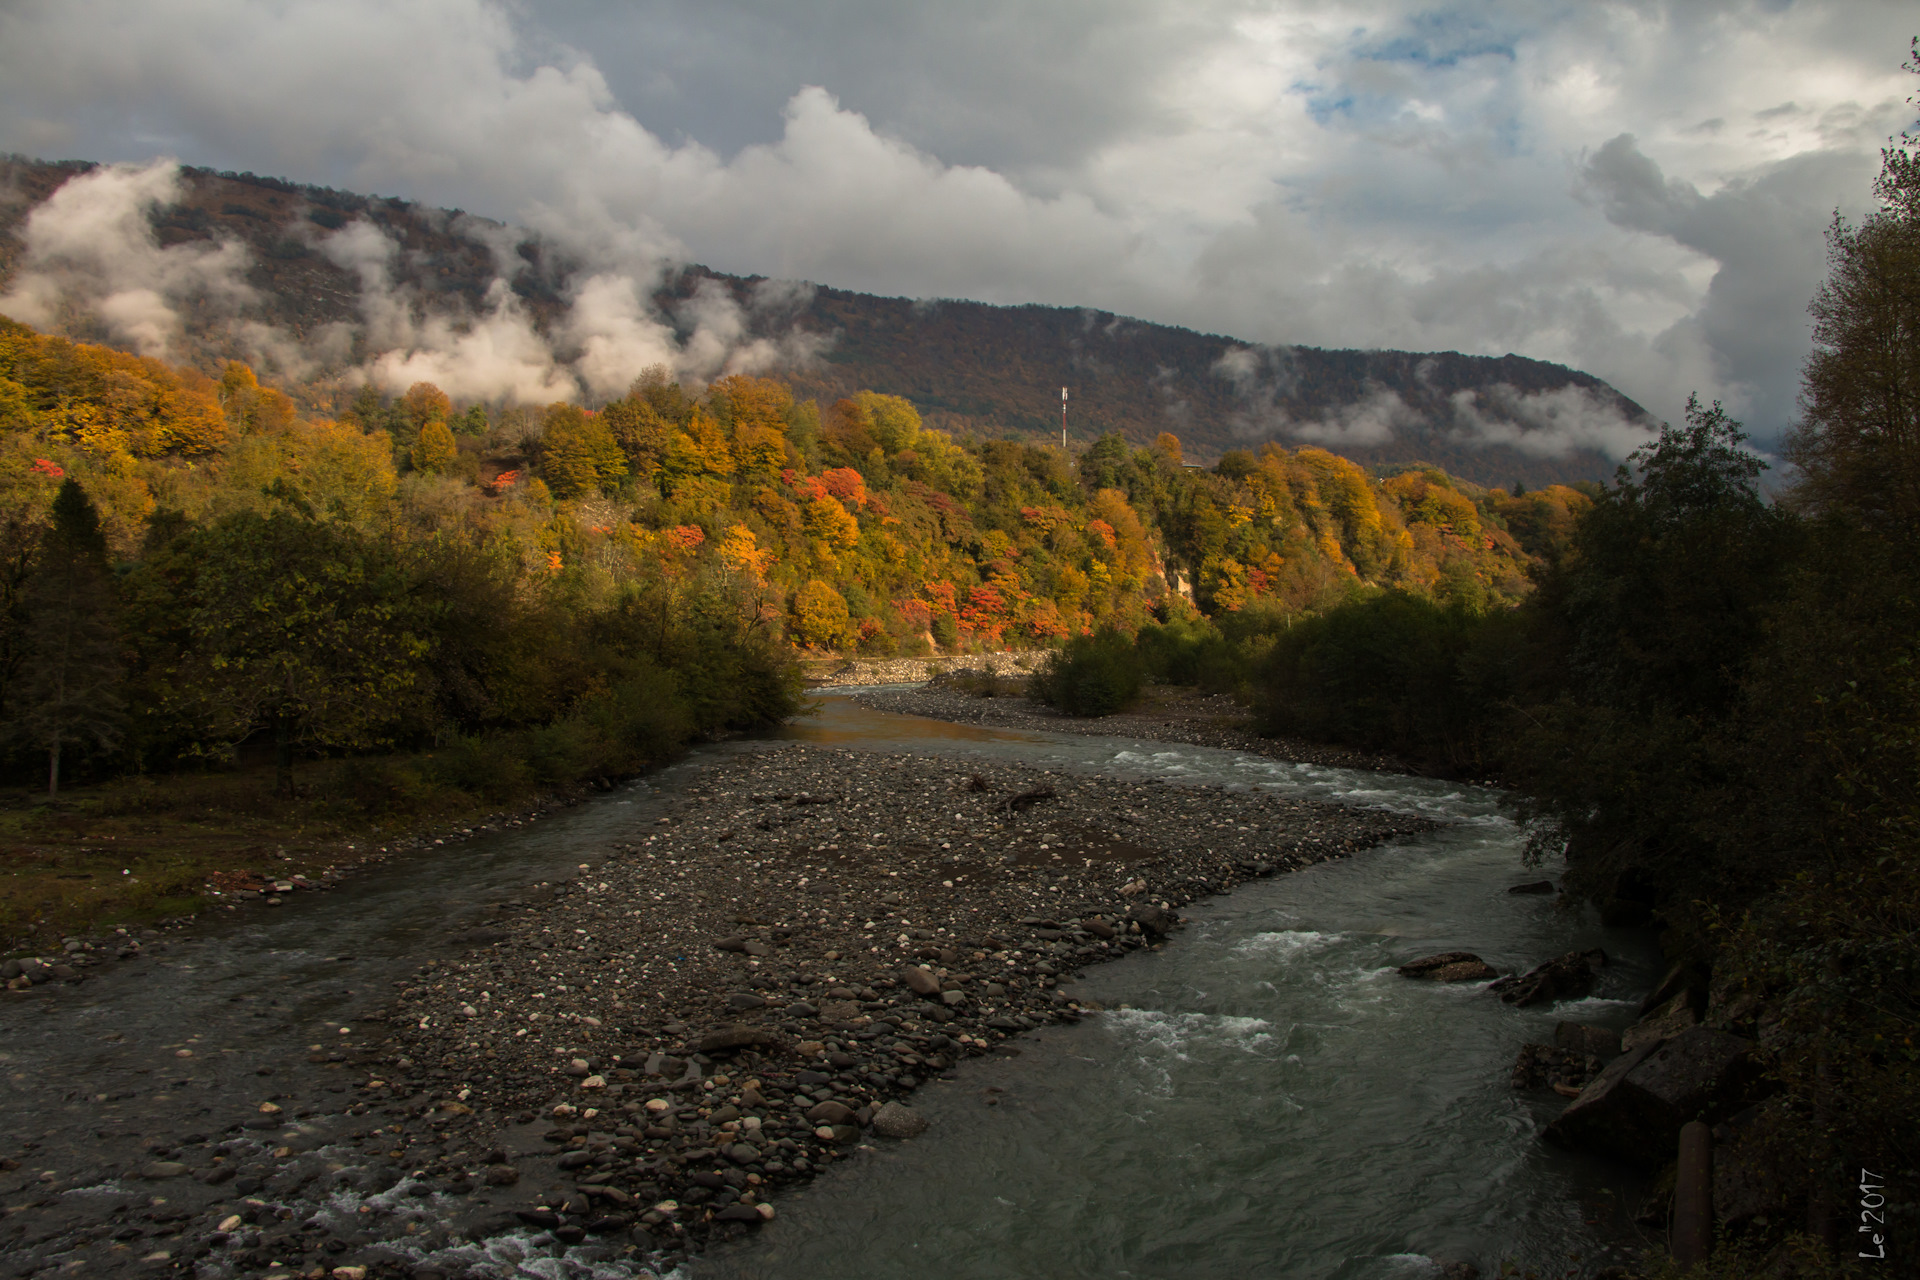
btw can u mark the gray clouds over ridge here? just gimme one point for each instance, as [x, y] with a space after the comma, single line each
[1634, 189]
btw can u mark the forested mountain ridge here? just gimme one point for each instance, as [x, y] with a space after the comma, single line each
[971, 368]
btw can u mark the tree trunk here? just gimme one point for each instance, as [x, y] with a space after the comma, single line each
[283, 756]
[53, 771]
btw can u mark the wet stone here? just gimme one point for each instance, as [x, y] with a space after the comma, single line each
[897, 1120]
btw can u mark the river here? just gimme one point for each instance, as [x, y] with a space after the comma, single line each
[1265, 1097]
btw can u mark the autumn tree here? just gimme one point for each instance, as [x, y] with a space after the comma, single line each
[820, 616]
[640, 431]
[252, 409]
[433, 449]
[661, 391]
[69, 694]
[423, 403]
[891, 420]
[579, 455]
[1858, 441]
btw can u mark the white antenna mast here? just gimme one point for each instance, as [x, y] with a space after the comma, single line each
[1063, 419]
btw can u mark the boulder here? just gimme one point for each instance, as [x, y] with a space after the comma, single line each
[1634, 1108]
[1153, 920]
[1542, 1066]
[830, 1113]
[1449, 966]
[1663, 1024]
[1536, 886]
[1566, 978]
[1581, 1037]
[896, 1120]
[1683, 977]
[839, 1011]
[1758, 1176]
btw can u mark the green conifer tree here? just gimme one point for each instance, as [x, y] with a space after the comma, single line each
[69, 693]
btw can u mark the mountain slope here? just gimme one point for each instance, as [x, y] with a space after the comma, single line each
[970, 367]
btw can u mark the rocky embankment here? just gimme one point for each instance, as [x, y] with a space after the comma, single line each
[1694, 1054]
[745, 995]
[834, 673]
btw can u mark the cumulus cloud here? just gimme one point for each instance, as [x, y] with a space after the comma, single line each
[1547, 424]
[1763, 233]
[1363, 173]
[90, 256]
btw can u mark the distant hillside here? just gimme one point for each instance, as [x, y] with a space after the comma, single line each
[970, 367]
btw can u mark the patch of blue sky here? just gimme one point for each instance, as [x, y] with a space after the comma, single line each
[1439, 38]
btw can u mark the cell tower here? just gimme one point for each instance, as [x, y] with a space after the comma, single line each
[1063, 419]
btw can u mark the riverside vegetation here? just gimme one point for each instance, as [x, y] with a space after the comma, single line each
[1708, 709]
[414, 612]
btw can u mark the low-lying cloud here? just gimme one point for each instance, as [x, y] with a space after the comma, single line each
[1540, 424]
[1263, 377]
[91, 262]
[90, 251]
[1547, 424]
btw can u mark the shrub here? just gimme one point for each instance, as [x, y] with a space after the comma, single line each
[1387, 672]
[1094, 675]
[492, 767]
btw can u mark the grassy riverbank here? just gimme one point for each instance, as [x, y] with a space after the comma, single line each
[138, 850]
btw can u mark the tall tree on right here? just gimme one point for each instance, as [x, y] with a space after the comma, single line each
[69, 691]
[1858, 442]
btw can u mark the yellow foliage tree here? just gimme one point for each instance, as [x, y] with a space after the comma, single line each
[819, 616]
[892, 421]
[252, 409]
[700, 450]
[830, 522]
[578, 453]
[433, 449]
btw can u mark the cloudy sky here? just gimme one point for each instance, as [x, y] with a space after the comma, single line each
[1636, 189]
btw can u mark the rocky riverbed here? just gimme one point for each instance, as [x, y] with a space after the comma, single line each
[642, 1059]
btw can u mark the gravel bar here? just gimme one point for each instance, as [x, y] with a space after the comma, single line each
[1165, 714]
[714, 1012]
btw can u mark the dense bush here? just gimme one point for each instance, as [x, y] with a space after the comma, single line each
[1094, 675]
[1387, 672]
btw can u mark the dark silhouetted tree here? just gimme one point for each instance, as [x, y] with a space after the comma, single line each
[69, 693]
